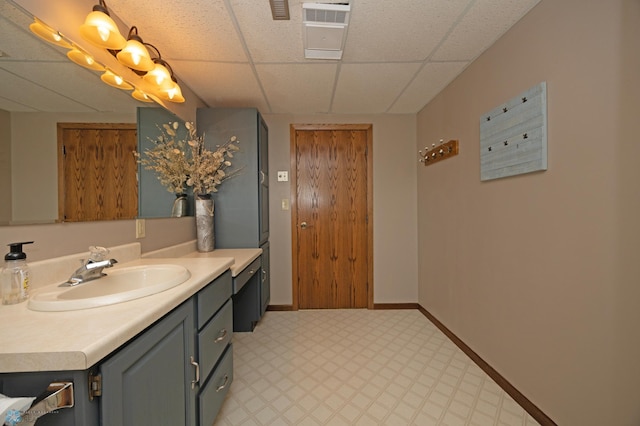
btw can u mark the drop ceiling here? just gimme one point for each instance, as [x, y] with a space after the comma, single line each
[398, 55]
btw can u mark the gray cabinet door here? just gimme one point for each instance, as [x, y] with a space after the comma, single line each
[263, 165]
[148, 382]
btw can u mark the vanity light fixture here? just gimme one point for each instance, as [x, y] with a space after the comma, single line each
[112, 79]
[47, 33]
[82, 58]
[173, 93]
[159, 76]
[135, 54]
[100, 30]
[140, 95]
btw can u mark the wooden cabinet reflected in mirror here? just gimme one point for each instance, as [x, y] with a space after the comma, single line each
[97, 171]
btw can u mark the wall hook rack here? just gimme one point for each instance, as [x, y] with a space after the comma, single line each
[438, 152]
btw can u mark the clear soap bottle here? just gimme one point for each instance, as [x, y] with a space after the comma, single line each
[15, 275]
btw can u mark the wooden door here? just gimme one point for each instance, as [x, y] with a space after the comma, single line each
[97, 171]
[332, 216]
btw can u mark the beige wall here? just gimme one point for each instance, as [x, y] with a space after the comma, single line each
[54, 240]
[5, 166]
[539, 273]
[394, 209]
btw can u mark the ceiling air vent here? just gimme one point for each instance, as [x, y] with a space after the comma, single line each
[324, 29]
[279, 10]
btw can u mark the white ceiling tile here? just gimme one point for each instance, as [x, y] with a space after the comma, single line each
[193, 29]
[300, 88]
[427, 84]
[399, 30]
[484, 23]
[370, 88]
[222, 84]
[268, 40]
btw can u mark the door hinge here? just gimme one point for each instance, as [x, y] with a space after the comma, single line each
[64, 150]
[95, 386]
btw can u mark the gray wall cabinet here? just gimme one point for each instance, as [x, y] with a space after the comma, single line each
[241, 210]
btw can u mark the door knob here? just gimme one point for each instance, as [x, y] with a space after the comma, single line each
[303, 225]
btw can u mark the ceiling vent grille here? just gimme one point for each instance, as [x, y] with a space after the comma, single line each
[326, 16]
[279, 10]
[324, 29]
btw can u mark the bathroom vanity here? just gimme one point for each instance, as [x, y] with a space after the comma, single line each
[163, 359]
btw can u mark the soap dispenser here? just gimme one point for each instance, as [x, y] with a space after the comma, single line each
[15, 275]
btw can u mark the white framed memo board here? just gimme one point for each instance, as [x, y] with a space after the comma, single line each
[513, 136]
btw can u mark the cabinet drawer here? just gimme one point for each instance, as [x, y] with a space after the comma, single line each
[213, 296]
[241, 279]
[214, 338]
[216, 388]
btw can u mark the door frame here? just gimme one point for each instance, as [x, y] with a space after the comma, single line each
[368, 127]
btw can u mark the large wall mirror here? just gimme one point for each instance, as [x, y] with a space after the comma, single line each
[41, 88]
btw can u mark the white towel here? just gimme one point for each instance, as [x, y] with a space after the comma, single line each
[11, 409]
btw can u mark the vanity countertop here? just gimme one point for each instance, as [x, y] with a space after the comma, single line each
[76, 340]
[242, 257]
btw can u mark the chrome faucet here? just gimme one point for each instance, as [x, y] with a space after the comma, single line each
[92, 268]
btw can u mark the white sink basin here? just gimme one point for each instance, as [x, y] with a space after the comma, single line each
[120, 285]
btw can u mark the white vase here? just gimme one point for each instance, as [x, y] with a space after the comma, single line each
[204, 222]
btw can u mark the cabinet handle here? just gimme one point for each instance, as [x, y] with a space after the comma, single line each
[197, 366]
[221, 336]
[264, 275]
[262, 176]
[224, 384]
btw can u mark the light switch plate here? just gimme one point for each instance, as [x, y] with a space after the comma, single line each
[283, 176]
[140, 228]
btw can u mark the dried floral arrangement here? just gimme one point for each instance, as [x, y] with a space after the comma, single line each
[187, 162]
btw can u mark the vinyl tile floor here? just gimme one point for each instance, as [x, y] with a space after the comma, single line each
[359, 367]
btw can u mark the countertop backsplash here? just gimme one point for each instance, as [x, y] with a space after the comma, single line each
[177, 250]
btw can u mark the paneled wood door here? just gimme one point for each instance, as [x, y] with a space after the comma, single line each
[97, 171]
[332, 223]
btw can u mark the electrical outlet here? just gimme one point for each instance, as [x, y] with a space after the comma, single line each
[285, 204]
[140, 231]
[283, 176]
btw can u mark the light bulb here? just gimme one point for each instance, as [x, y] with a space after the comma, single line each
[159, 76]
[84, 59]
[141, 96]
[47, 33]
[135, 56]
[115, 80]
[103, 32]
